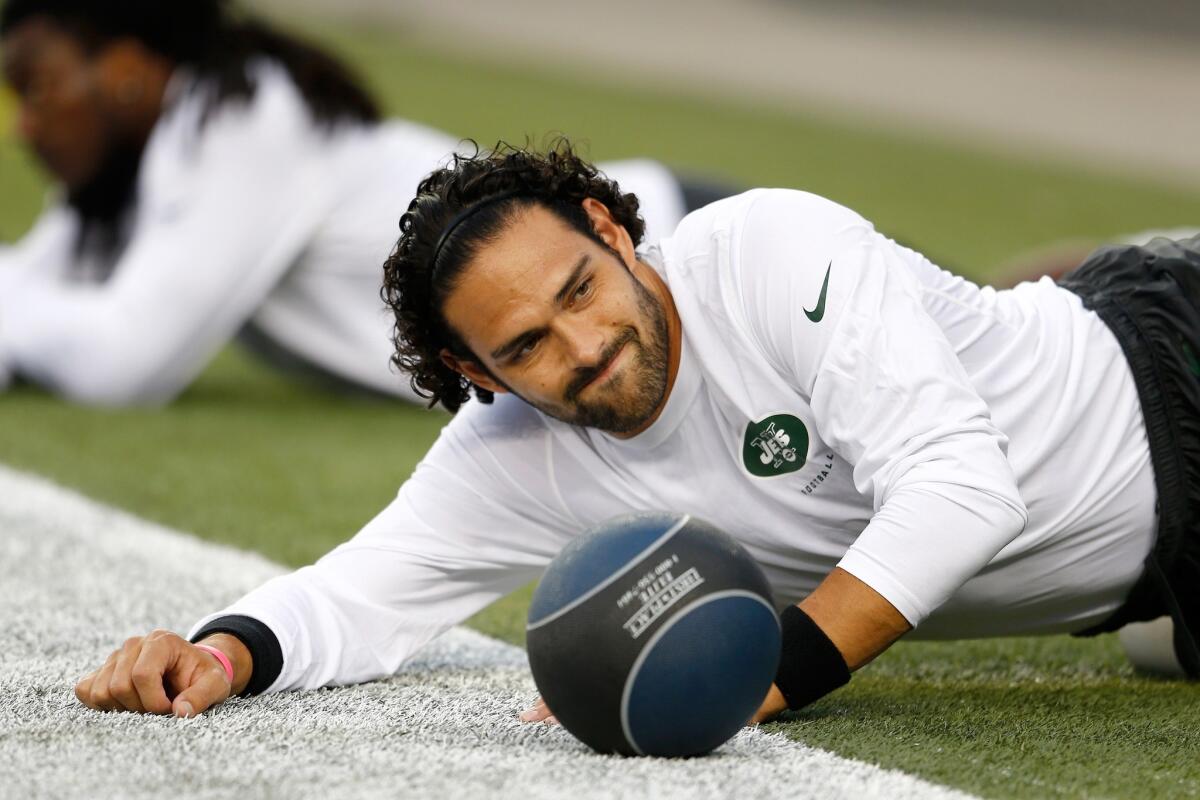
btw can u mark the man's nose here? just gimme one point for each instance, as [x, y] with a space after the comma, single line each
[584, 343]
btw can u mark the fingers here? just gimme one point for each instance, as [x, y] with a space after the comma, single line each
[139, 676]
[92, 691]
[536, 713]
[762, 716]
[539, 712]
[209, 687]
[147, 675]
[771, 707]
[120, 682]
[83, 688]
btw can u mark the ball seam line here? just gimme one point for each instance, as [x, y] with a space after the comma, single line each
[657, 543]
[631, 678]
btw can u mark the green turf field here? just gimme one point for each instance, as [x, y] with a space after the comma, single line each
[289, 469]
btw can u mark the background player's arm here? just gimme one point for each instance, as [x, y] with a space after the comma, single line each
[216, 228]
[43, 249]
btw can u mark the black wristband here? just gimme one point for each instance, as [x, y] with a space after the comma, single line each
[810, 665]
[265, 653]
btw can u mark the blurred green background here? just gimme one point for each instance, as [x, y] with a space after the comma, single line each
[250, 458]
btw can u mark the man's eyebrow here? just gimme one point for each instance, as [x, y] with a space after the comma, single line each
[515, 342]
[505, 349]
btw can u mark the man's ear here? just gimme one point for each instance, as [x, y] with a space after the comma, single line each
[472, 371]
[611, 232]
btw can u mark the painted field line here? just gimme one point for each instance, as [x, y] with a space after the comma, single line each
[78, 577]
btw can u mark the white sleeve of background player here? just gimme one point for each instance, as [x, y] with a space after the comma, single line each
[466, 529]
[888, 394]
[40, 250]
[212, 240]
[40, 255]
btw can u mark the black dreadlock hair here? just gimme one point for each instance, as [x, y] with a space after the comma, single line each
[215, 41]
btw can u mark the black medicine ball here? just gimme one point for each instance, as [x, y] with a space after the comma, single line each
[653, 634]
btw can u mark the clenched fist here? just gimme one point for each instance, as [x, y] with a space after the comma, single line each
[162, 673]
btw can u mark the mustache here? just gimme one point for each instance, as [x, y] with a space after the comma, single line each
[585, 375]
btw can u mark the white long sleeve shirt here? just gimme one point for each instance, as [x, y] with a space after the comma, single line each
[256, 216]
[977, 457]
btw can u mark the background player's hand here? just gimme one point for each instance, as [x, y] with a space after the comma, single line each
[161, 673]
[539, 712]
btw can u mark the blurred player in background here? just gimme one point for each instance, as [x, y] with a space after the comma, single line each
[902, 451]
[217, 178]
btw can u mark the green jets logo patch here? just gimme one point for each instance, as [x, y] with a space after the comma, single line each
[774, 446]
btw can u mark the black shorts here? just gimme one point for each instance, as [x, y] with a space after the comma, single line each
[1150, 298]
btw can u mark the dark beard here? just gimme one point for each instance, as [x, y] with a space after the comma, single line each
[648, 372]
[103, 202]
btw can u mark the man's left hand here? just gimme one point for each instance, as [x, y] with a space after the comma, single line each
[771, 708]
[539, 712]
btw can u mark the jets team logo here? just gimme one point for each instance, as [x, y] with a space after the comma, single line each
[774, 446]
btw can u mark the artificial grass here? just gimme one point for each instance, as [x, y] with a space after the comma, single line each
[21, 186]
[246, 457]
[1015, 718]
[968, 208]
[254, 459]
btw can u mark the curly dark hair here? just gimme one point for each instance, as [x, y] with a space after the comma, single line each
[458, 209]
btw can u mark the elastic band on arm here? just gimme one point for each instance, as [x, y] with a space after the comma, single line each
[265, 652]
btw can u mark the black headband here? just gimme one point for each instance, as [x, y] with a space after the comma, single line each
[463, 216]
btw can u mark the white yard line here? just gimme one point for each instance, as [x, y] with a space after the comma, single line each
[77, 577]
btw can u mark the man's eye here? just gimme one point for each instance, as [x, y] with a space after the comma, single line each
[526, 348]
[582, 291]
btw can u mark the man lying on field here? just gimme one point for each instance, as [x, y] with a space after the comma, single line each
[902, 451]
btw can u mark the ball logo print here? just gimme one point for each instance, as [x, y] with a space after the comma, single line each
[657, 591]
[774, 446]
[653, 634]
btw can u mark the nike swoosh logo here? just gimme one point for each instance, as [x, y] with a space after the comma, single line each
[818, 313]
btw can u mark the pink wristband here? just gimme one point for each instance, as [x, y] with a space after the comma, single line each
[224, 659]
